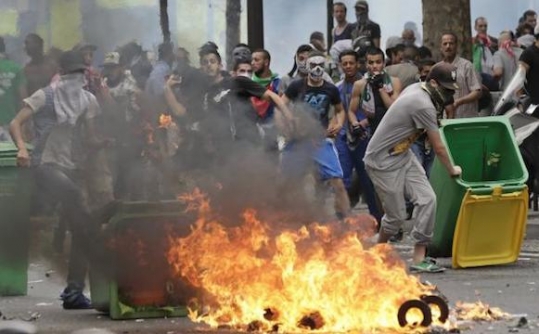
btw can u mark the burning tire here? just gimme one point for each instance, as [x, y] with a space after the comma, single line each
[415, 304]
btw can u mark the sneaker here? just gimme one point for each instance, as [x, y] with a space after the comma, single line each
[397, 237]
[75, 300]
[428, 265]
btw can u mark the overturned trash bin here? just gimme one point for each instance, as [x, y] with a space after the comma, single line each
[137, 281]
[15, 195]
[481, 215]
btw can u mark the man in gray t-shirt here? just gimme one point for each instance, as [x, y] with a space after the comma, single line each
[506, 59]
[395, 171]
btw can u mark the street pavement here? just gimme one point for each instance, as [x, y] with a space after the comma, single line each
[513, 288]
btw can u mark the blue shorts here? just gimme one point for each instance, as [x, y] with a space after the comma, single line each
[298, 157]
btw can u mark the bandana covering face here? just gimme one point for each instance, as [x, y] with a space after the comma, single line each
[316, 67]
[70, 99]
[440, 96]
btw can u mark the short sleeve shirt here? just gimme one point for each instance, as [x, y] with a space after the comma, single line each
[11, 80]
[370, 29]
[468, 81]
[409, 116]
[57, 143]
[508, 63]
[318, 99]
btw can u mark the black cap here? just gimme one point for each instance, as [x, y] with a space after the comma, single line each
[84, 47]
[362, 4]
[445, 74]
[72, 61]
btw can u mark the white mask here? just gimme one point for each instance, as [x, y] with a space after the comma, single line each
[316, 67]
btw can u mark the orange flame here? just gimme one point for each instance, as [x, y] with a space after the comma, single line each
[148, 130]
[478, 311]
[256, 278]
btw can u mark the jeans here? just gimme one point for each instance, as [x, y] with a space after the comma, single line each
[424, 155]
[353, 158]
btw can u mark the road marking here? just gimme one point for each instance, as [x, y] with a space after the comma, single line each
[535, 255]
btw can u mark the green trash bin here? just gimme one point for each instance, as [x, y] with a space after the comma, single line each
[141, 284]
[15, 191]
[486, 149]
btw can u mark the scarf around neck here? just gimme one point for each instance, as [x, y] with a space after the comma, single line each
[264, 81]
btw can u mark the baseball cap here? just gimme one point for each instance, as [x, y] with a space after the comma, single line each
[445, 74]
[393, 41]
[72, 61]
[84, 47]
[362, 4]
[111, 59]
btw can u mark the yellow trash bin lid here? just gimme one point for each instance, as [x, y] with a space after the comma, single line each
[490, 226]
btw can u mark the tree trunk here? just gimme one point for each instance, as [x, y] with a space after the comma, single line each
[163, 18]
[442, 15]
[233, 15]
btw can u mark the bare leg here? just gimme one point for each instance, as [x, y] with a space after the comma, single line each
[419, 253]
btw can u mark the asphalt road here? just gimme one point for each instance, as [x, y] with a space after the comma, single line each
[513, 288]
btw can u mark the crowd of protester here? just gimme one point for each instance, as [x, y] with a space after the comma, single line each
[96, 129]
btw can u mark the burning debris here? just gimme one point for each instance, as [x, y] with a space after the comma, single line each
[317, 277]
[479, 311]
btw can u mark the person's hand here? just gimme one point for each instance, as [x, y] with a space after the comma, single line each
[333, 130]
[23, 158]
[457, 171]
[456, 104]
[377, 81]
[173, 80]
[103, 89]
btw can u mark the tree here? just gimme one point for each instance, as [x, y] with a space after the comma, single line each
[233, 16]
[443, 15]
[163, 15]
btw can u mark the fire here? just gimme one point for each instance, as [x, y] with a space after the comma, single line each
[479, 311]
[316, 277]
[165, 121]
[148, 130]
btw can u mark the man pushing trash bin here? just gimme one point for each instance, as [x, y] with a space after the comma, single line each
[395, 171]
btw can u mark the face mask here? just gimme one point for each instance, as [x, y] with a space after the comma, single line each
[76, 80]
[440, 96]
[446, 95]
[246, 74]
[362, 17]
[316, 67]
[302, 66]
[241, 53]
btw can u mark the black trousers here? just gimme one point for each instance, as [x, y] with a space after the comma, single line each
[61, 187]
